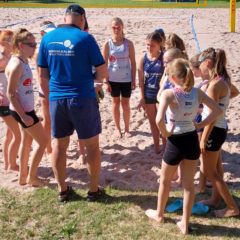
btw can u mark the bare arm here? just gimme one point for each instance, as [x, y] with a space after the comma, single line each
[215, 109]
[234, 91]
[141, 77]
[43, 76]
[13, 74]
[165, 99]
[133, 63]
[105, 56]
[213, 92]
[162, 83]
[101, 73]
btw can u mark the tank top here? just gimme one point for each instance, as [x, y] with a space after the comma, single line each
[153, 71]
[223, 103]
[167, 83]
[25, 88]
[3, 89]
[119, 67]
[183, 116]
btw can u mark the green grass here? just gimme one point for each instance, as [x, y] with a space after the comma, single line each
[114, 3]
[38, 215]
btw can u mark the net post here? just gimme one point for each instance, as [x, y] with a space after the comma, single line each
[232, 15]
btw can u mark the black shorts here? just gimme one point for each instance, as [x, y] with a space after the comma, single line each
[150, 101]
[19, 120]
[123, 89]
[216, 139]
[181, 146]
[4, 111]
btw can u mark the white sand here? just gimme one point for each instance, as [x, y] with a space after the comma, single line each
[131, 163]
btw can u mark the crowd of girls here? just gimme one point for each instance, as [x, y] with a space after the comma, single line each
[190, 119]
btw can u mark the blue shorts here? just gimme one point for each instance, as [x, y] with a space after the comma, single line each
[80, 114]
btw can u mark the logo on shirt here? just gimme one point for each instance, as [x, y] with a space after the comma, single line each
[66, 43]
[112, 59]
[27, 82]
[188, 103]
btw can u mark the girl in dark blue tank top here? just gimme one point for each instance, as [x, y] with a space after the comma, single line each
[150, 72]
[153, 71]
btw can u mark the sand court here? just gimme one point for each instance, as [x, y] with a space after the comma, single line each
[130, 163]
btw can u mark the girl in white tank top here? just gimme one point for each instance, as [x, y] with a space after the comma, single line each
[181, 105]
[20, 93]
[213, 64]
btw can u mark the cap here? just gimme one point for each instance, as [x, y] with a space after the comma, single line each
[74, 8]
[48, 27]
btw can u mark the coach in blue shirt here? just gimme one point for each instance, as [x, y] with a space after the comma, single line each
[65, 61]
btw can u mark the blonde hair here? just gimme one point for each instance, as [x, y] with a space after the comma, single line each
[219, 62]
[174, 41]
[194, 61]
[174, 53]
[117, 20]
[5, 33]
[120, 22]
[180, 69]
[20, 36]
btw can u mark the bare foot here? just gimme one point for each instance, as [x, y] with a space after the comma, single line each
[82, 159]
[22, 180]
[226, 212]
[183, 229]
[152, 214]
[5, 167]
[210, 203]
[127, 134]
[118, 134]
[13, 168]
[36, 182]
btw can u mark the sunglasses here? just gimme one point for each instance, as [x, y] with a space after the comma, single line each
[32, 45]
[116, 28]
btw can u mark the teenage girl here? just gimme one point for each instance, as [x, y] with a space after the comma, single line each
[119, 54]
[180, 105]
[150, 72]
[12, 139]
[20, 94]
[213, 68]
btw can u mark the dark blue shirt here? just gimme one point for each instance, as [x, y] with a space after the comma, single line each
[69, 54]
[153, 71]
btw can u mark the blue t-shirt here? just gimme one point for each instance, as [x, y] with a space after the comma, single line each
[69, 54]
[153, 71]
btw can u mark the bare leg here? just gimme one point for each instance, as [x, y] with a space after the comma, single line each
[6, 142]
[116, 115]
[59, 159]
[14, 143]
[126, 114]
[37, 133]
[151, 111]
[210, 160]
[94, 161]
[46, 123]
[167, 172]
[25, 149]
[82, 157]
[189, 170]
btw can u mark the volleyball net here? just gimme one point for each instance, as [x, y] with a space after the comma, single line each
[107, 3]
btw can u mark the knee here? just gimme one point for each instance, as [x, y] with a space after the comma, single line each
[165, 182]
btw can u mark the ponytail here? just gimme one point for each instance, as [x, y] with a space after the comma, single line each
[180, 69]
[220, 65]
[219, 62]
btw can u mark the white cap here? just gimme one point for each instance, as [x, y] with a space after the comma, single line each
[48, 27]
